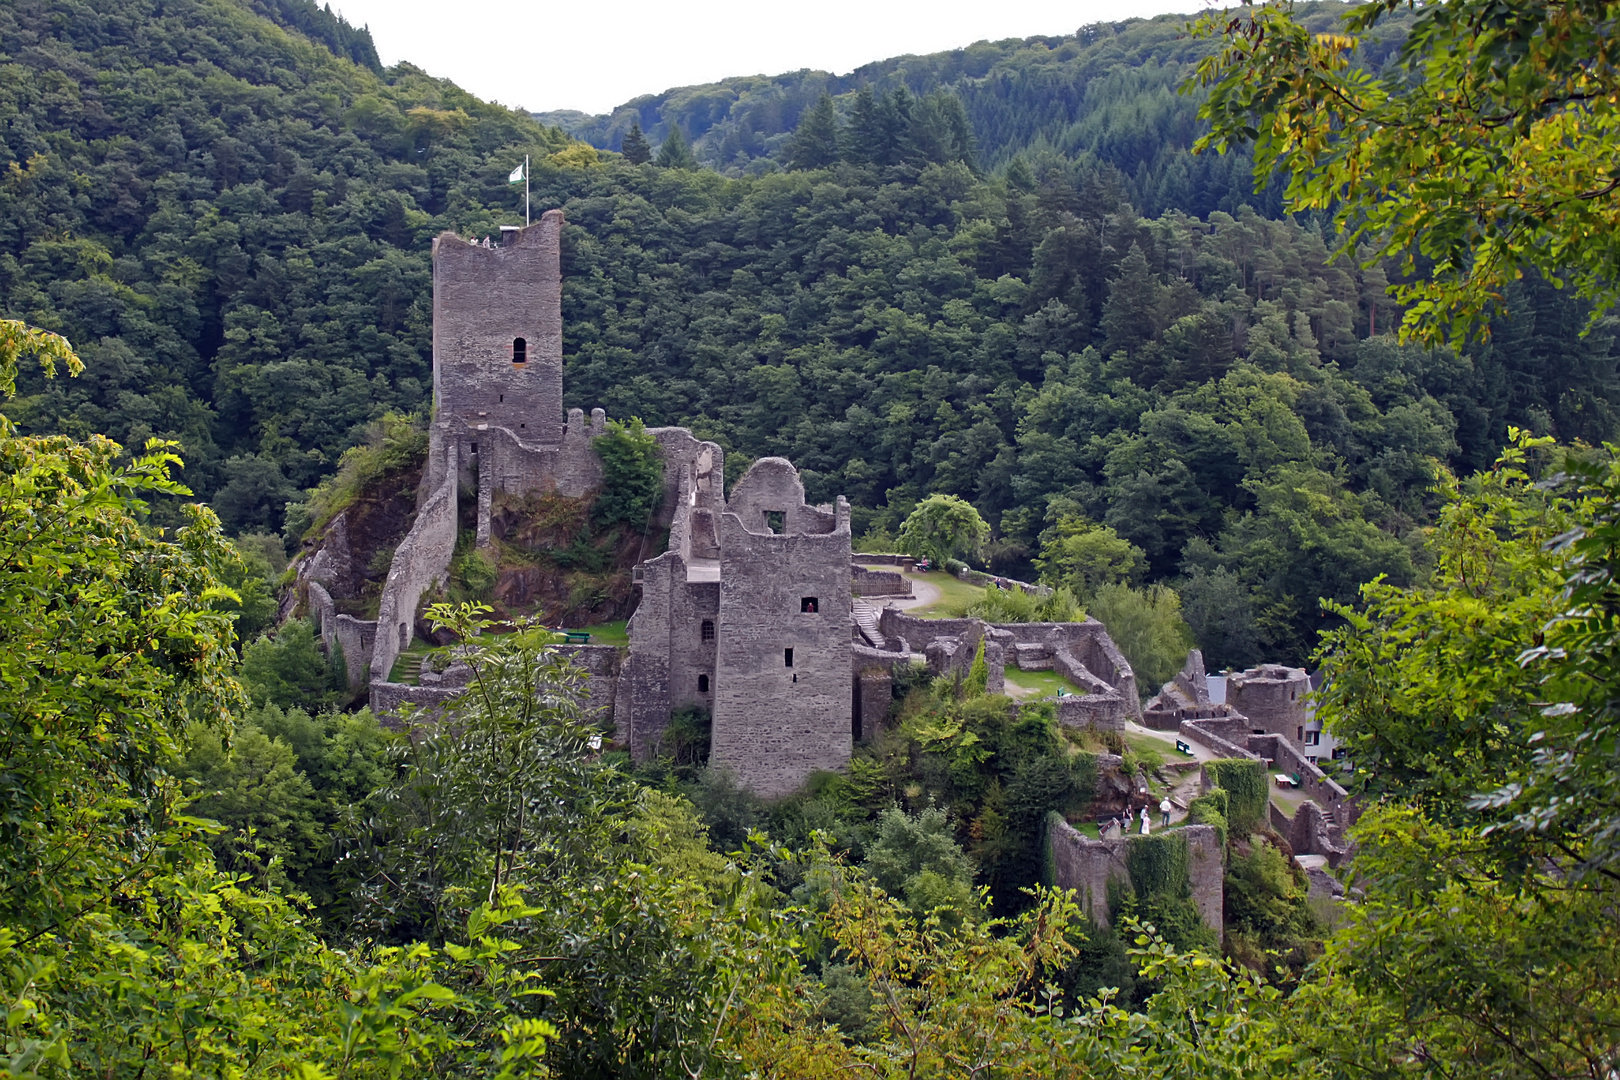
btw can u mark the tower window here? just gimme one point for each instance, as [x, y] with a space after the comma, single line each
[708, 630]
[703, 684]
[520, 350]
[503, 398]
[808, 605]
[787, 657]
[475, 448]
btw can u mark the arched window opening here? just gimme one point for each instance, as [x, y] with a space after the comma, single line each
[703, 684]
[520, 351]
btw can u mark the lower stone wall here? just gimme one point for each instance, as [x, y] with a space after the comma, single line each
[878, 582]
[1105, 712]
[1334, 800]
[1087, 866]
[391, 702]
[873, 693]
[601, 664]
[980, 578]
[904, 562]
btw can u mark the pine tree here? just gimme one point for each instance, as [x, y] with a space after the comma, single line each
[864, 138]
[635, 148]
[675, 153]
[815, 141]
[1131, 316]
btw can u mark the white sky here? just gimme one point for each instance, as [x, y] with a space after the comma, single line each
[593, 56]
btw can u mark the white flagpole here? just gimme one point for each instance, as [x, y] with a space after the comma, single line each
[525, 191]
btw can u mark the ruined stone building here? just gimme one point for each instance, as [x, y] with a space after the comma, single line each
[749, 614]
[1262, 713]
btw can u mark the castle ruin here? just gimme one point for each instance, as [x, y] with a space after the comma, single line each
[749, 614]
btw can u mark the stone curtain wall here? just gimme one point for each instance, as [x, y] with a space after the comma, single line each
[420, 560]
[1325, 792]
[483, 299]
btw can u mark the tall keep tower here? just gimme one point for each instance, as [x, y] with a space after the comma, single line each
[497, 331]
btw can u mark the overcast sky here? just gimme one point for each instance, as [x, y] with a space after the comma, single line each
[593, 56]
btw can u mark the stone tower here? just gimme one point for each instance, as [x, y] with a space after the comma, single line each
[782, 698]
[497, 331]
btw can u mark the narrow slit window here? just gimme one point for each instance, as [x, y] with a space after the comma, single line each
[520, 351]
[703, 684]
[808, 605]
[503, 399]
[787, 657]
[708, 630]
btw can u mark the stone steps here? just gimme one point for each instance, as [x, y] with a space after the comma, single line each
[866, 618]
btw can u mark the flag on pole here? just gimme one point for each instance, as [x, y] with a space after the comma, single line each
[516, 176]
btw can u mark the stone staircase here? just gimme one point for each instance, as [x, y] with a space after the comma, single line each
[865, 616]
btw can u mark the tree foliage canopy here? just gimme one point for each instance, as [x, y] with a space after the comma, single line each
[1490, 146]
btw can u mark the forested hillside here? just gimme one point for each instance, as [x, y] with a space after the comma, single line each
[1105, 96]
[235, 224]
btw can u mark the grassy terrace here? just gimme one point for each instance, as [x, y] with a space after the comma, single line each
[1037, 684]
[954, 596]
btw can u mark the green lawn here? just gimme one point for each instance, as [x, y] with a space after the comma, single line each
[612, 633]
[954, 596]
[1038, 684]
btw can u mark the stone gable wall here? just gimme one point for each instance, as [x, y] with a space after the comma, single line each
[774, 725]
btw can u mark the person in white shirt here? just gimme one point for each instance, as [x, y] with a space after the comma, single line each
[1164, 808]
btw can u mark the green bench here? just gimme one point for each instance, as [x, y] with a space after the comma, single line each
[576, 637]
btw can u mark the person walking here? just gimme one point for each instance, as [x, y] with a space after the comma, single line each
[1164, 808]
